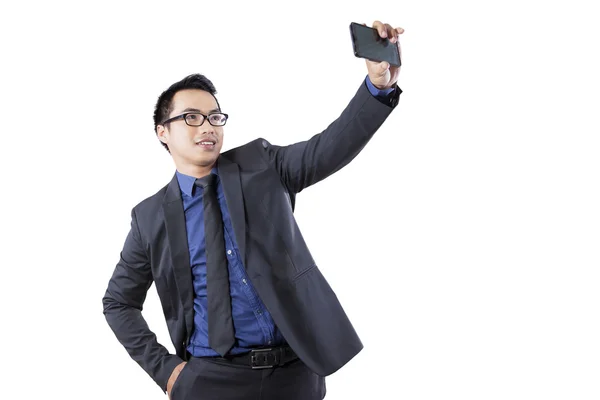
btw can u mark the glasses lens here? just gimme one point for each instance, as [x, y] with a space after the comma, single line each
[217, 119]
[194, 119]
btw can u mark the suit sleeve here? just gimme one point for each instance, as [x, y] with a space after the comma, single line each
[305, 163]
[123, 303]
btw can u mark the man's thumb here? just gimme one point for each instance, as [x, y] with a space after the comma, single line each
[383, 67]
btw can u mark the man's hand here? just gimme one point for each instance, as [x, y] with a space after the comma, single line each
[173, 377]
[382, 74]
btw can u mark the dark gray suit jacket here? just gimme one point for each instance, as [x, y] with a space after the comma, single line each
[260, 182]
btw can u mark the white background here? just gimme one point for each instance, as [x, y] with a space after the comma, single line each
[470, 268]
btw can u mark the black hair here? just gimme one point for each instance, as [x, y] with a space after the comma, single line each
[164, 104]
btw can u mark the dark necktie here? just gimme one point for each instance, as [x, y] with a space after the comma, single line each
[220, 324]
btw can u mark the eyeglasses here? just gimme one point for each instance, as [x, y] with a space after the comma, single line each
[197, 119]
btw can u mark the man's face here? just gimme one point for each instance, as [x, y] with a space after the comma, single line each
[184, 141]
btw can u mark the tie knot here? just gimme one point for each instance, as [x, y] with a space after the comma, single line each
[208, 180]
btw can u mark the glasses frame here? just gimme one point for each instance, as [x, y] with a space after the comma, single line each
[184, 115]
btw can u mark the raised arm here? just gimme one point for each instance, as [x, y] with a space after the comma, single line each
[304, 163]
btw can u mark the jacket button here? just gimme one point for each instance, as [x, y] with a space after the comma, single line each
[265, 144]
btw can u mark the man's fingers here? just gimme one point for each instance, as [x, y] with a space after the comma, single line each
[380, 28]
[387, 31]
[391, 33]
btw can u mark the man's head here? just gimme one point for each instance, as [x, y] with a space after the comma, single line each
[186, 115]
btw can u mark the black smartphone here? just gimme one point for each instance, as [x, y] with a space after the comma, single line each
[368, 44]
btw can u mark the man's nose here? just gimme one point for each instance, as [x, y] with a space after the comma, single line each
[206, 128]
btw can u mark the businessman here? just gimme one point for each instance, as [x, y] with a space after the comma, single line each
[248, 311]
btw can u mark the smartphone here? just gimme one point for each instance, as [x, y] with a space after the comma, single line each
[367, 43]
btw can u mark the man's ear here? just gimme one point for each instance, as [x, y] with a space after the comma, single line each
[162, 133]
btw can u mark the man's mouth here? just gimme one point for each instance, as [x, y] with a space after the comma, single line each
[206, 144]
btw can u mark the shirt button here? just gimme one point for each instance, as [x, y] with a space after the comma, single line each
[243, 280]
[229, 252]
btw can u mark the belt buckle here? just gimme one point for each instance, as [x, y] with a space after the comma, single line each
[253, 359]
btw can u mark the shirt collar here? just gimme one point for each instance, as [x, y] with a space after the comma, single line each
[186, 182]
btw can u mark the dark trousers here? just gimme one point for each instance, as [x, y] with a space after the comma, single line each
[212, 379]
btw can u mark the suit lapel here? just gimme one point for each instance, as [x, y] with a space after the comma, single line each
[180, 254]
[229, 173]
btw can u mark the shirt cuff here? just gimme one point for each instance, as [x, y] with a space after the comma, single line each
[377, 92]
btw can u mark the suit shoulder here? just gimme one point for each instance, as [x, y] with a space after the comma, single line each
[150, 203]
[254, 145]
[250, 152]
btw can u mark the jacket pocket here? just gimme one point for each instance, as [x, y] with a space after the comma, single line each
[303, 273]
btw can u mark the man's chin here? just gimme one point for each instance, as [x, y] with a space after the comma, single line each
[206, 162]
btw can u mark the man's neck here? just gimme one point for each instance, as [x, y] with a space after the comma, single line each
[195, 170]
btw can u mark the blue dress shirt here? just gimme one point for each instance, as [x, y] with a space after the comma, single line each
[377, 92]
[252, 322]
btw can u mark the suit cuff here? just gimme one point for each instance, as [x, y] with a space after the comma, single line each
[377, 92]
[167, 366]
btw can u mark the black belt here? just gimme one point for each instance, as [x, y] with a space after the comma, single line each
[263, 358]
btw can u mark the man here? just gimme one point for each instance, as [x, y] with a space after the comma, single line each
[248, 311]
